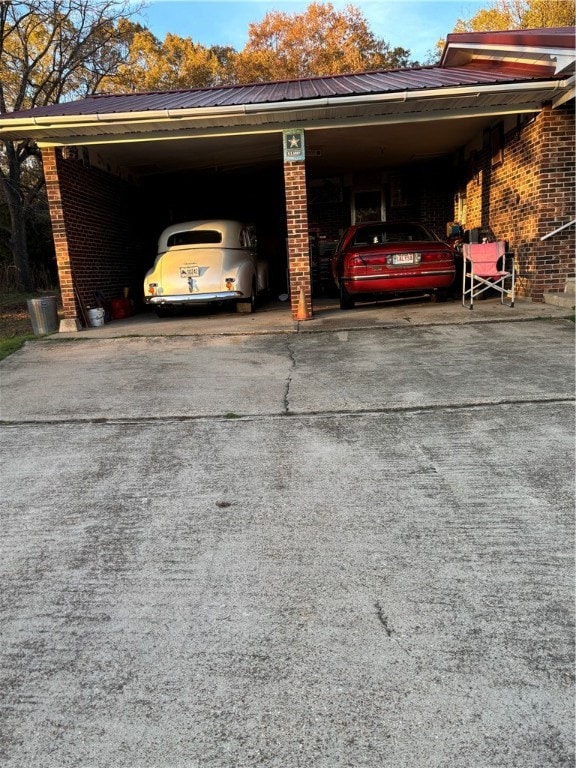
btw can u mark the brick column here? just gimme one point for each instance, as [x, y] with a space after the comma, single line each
[50, 162]
[554, 257]
[298, 243]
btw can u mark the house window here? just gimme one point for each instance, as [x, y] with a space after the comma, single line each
[460, 207]
[497, 144]
[367, 205]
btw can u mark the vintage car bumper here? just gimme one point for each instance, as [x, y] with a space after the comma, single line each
[194, 298]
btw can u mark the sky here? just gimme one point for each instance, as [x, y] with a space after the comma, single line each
[416, 25]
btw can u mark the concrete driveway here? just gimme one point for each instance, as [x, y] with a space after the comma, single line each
[345, 547]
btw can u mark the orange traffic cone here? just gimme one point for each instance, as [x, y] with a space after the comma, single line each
[302, 313]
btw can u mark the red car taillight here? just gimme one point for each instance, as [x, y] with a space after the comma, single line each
[353, 261]
[435, 256]
[354, 265]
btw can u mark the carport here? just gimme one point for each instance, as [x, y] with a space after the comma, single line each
[484, 139]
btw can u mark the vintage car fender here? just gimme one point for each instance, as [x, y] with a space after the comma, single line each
[262, 272]
[245, 275]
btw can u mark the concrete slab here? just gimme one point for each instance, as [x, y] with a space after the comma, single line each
[275, 317]
[342, 548]
[346, 370]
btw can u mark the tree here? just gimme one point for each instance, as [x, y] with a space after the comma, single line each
[176, 63]
[50, 50]
[520, 14]
[321, 41]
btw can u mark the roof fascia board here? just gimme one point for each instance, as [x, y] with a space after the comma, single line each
[559, 58]
[352, 122]
[30, 126]
[568, 94]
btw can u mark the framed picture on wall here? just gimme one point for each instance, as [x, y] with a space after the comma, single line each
[367, 205]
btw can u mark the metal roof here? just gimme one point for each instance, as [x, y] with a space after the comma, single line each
[426, 110]
[305, 90]
[469, 59]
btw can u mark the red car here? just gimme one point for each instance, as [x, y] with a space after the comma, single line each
[382, 258]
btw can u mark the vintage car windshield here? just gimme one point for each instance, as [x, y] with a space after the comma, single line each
[195, 237]
[391, 233]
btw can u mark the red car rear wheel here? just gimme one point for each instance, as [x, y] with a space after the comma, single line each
[346, 301]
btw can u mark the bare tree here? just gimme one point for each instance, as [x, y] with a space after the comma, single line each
[50, 51]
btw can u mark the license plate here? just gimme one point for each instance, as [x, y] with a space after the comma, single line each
[404, 258]
[189, 271]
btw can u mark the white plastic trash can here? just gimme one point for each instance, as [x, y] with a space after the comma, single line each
[43, 314]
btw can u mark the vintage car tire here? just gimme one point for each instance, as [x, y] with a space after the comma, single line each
[346, 302]
[164, 311]
[249, 305]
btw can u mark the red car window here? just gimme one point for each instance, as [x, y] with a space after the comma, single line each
[391, 233]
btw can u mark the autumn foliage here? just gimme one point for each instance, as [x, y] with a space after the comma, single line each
[320, 41]
[520, 14]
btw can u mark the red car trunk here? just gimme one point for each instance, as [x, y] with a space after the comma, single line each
[399, 258]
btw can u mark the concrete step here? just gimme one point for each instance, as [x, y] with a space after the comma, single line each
[566, 299]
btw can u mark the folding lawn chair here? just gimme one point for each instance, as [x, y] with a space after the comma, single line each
[482, 271]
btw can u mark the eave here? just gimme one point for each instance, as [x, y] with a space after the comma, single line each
[336, 111]
[541, 52]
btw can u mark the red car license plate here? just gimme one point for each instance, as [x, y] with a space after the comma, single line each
[404, 258]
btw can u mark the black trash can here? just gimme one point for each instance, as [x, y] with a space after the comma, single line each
[43, 314]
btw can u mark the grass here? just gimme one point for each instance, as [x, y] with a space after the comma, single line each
[15, 323]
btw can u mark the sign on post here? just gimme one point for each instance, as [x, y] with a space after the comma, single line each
[293, 141]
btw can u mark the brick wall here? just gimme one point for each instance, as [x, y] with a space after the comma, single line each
[298, 243]
[434, 187]
[529, 194]
[97, 223]
[327, 220]
[427, 196]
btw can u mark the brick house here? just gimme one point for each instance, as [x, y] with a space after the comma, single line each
[485, 139]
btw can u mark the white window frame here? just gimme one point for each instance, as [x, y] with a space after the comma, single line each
[353, 206]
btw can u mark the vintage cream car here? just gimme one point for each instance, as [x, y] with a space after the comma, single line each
[201, 262]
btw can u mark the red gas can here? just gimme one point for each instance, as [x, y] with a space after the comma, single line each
[120, 308]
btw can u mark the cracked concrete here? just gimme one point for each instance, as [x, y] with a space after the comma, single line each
[291, 355]
[359, 371]
[371, 564]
